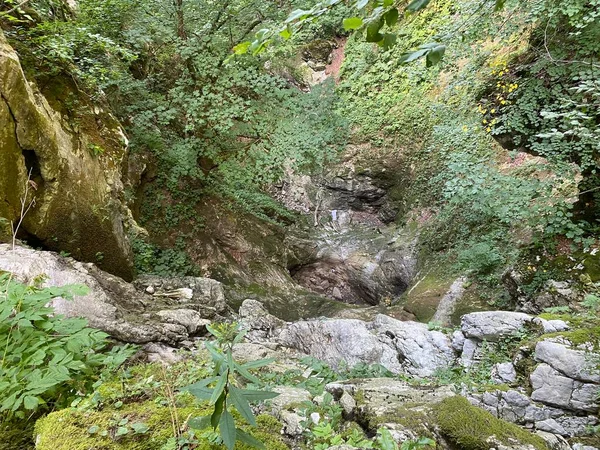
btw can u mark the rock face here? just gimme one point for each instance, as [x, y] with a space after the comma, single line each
[75, 174]
[401, 347]
[170, 315]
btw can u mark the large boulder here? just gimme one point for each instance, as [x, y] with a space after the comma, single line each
[553, 388]
[71, 176]
[575, 364]
[401, 347]
[115, 306]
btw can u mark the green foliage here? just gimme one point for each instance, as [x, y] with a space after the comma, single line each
[153, 260]
[223, 391]
[46, 358]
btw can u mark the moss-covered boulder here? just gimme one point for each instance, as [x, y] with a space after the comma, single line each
[75, 166]
[472, 428]
[115, 429]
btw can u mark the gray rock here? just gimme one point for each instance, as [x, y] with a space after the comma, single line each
[583, 447]
[552, 388]
[255, 318]
[292, 423]
[381, 397]
[504, 373]
[458, 341]
[420, 350]
[448, 303]
[553, 441]
[551, 426]
[348, 404]
[113, 305]
[574, 364]
[340, 341]
[493, 325]
[288, 399]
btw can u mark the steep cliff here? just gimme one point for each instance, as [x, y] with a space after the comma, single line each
[75, 173]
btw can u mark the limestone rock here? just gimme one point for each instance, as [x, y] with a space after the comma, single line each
[113, 305]
[420, 350]
[255, 318]
[288, 399]
[504, 373]
[493, 325]
[78, 192]
[340, 340]
[575, 364]
[553, 388]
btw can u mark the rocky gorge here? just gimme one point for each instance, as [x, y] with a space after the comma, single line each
[427, 284]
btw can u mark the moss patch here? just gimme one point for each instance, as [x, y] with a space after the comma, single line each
[69, 429]
[470, 427]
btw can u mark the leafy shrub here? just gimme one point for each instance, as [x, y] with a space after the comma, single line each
[481, 258]
[46, 358]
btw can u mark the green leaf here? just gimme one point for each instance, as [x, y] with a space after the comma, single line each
[241, 404]
[139, 427]
[219, 388]
[257, 396]
[30, 402]
[352, 23]
[122, 431]
[499, 5]
[258, 363]
[417, 5]
[248, 439]
[391, 17]
[373, 34]
[298, 14]
[242, 48]
[389, 40]
[216, 415]
[199, 423]
[286, 33]
[93, 429]
[435, 55]
[411, 56]
[386, 440]
[227, 429]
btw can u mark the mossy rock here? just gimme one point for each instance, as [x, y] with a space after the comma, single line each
[471, 428]
[69, 429]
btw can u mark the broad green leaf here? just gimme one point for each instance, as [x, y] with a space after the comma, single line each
[386, 440]
[93, 429]
[139, 427]
[389, 40]
[227, 429]
[373, 34]
[216, 415]
[435, 55]
[417, 5]
[411, 56]
[199, 423]
[242, 48]
[352, 23]
[30, 402]
[286, 33]
[257, 396]
[241, 404]
[219, 388]
[391, 17]
[258, 363]
[298, 14]
[248, 439]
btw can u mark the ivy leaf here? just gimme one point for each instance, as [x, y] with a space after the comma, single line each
[373, 34]
[412, 56]
[417, 5]
[242, 48]
[227, 429]
[389, 40]
[298, 14]
[391, 17]
[435, 55]
[352, 23]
